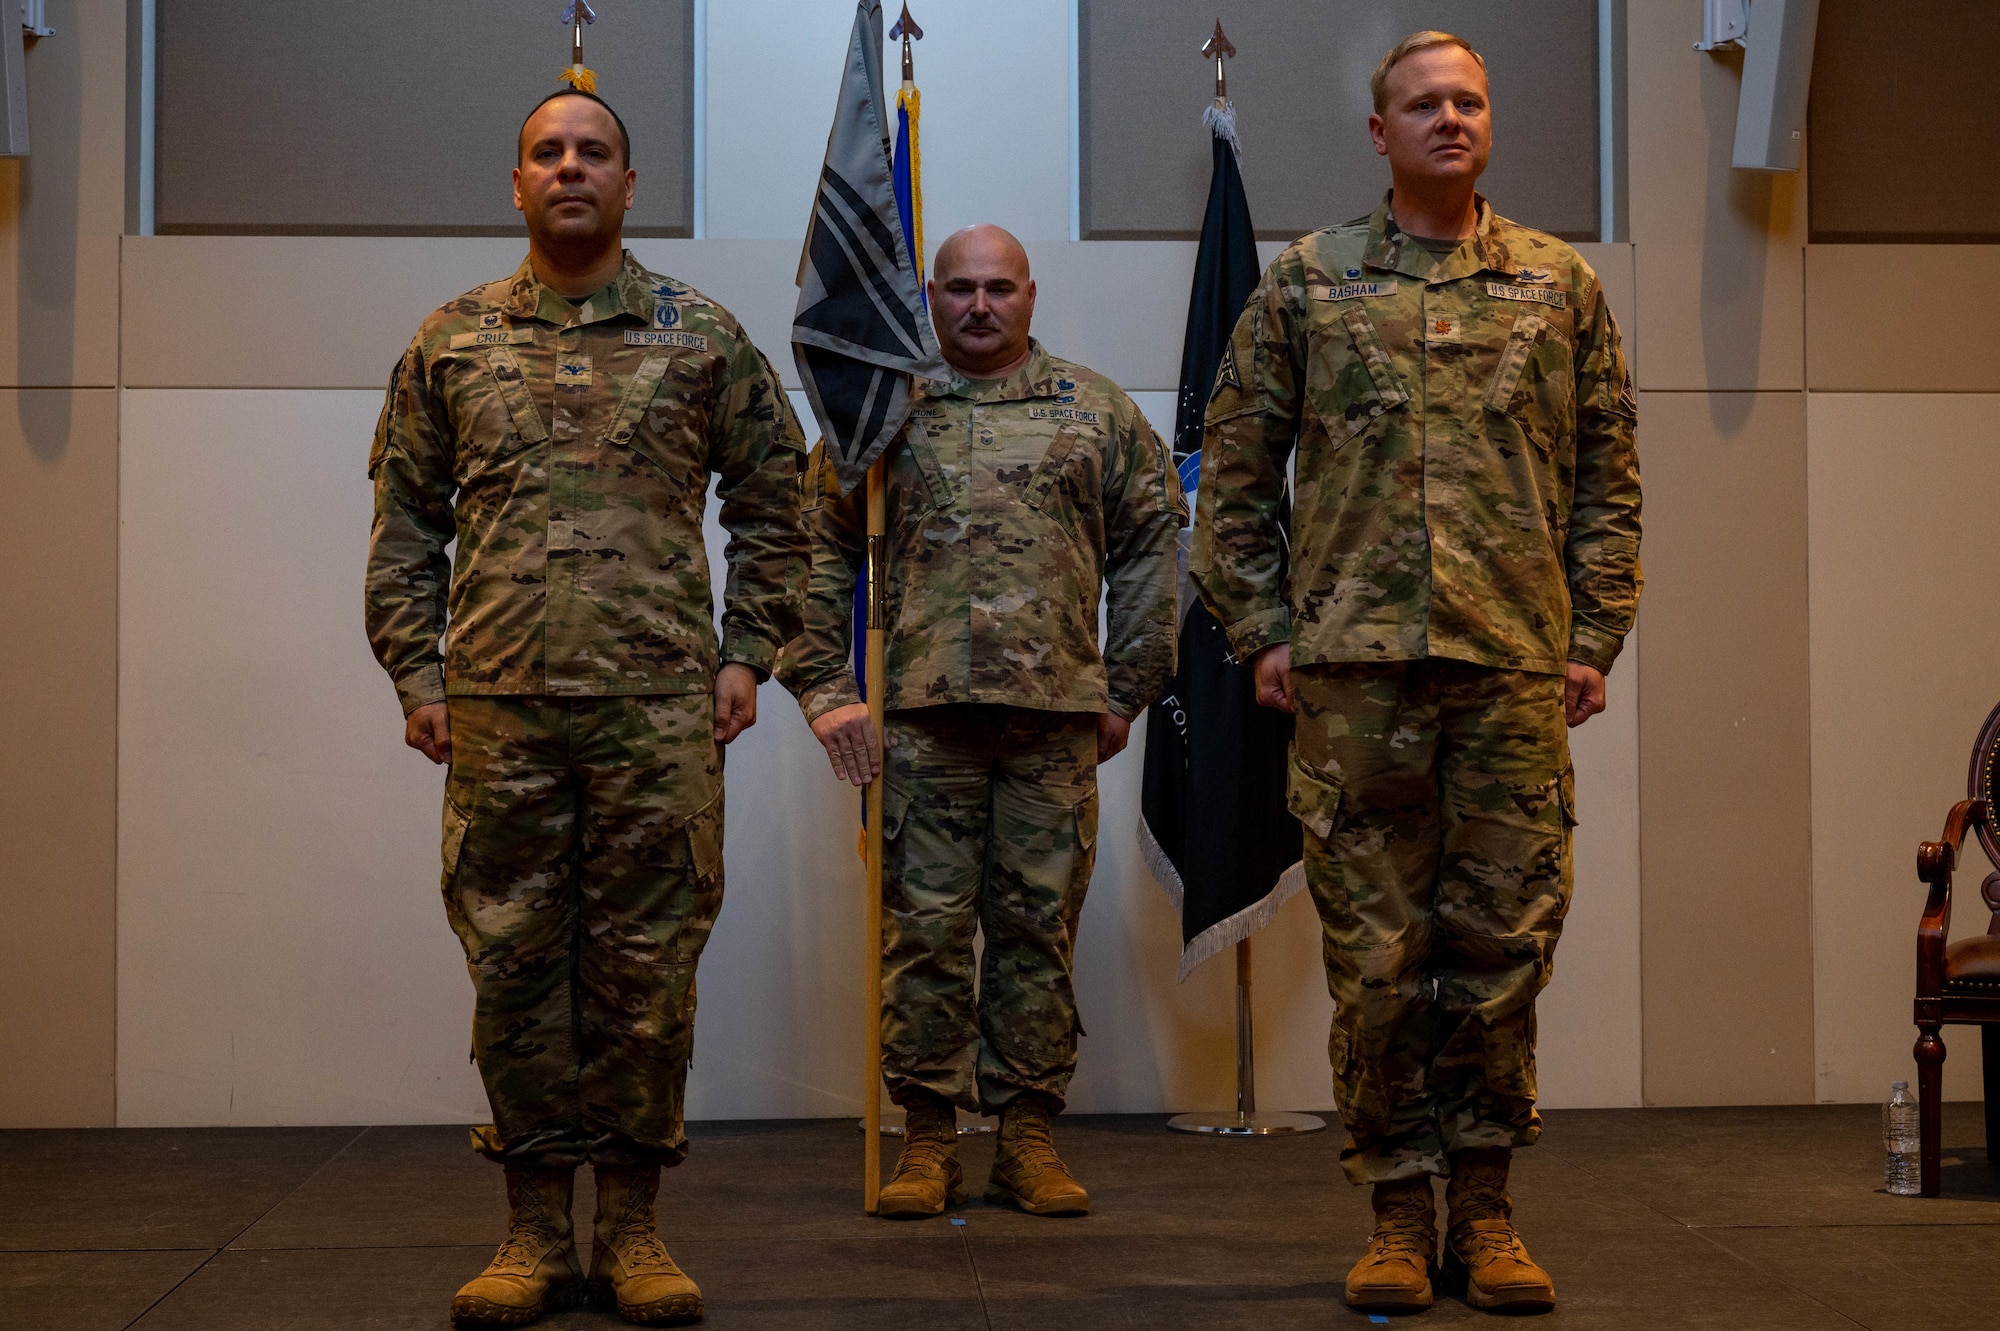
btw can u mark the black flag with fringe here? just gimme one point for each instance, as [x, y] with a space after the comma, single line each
[1213, 823]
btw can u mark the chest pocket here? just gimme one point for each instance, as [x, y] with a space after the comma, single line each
[918, 487]
[1350, 381]
[672, 434]
[484, 440]
[1535, 382]
[1068, 485]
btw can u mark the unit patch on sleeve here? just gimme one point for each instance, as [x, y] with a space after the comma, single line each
[1539, 295]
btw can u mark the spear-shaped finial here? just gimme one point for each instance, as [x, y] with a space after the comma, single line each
[578, 13]
[1219, 47]
[907, 29]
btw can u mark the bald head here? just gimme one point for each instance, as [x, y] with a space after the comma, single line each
[982, 301]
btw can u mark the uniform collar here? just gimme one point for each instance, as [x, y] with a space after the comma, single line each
[631, 292]
[1037, 378]
[1390, 247]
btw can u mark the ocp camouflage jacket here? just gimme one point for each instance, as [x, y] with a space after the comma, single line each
[1011, 506]
[1466, 485]
[568, 452]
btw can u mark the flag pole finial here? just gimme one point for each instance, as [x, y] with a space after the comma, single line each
[1220, 48]
[907, 29]
[577, 13]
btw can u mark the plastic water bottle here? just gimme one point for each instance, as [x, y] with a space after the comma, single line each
[1900, 1142]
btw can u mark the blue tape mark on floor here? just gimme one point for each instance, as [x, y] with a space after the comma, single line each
[956, 1221]
[1379, 1318]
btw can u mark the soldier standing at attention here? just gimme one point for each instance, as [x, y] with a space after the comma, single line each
[1463, 568]
[561, 425]
[1022, 487]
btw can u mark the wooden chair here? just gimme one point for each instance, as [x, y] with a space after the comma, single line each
[1959, 983]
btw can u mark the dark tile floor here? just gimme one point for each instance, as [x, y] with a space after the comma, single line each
[1707, 1218]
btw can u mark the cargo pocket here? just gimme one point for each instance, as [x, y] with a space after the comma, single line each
[1084, 859]
[1086, 822]
[704, 834]
[1566, 794]
[1313, 798]
[455, 822]
[895, 807]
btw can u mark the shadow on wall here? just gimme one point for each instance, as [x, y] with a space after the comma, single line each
[45, 229]
[1735, 250]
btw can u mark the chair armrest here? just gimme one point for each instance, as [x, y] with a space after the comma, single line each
[1936, 860]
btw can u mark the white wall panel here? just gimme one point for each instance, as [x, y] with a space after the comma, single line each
[995, 126]
[283, 956]
[1903, 671]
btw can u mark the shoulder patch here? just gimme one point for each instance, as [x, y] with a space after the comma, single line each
[1225, 374]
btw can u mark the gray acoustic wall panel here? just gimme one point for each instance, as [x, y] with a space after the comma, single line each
[398, 117]
[1300, 84]
[1902, 132]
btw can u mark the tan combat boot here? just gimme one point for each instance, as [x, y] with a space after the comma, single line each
[1027, 1172]
[1394, 1274]
[629, 1266]
[536, 1270]
[1482, 1250]
[928, 1177]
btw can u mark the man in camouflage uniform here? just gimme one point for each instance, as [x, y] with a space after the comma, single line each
[1463, 568]
[562, 425]
[1022, 487]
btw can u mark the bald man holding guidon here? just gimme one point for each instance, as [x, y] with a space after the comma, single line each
[1022, 487]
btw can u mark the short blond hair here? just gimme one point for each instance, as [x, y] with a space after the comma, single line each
[1378, 82]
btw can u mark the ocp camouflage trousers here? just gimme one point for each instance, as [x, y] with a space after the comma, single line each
[582, 873]
[990, 823]
[1437, 801]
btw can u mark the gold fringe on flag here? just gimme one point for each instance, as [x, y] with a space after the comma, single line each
[908, 101]
[576, 76]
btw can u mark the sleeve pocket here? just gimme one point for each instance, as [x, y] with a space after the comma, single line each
[1313, 798]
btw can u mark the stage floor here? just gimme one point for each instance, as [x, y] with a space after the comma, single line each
[1725, 1218]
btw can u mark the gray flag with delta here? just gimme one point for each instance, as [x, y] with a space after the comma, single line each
[861, 330]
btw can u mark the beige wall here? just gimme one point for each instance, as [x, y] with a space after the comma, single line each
[1813, 661]
[60, 214]
[1725, 814]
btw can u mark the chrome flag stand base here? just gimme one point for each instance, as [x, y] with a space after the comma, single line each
[1253, 1124]
[967, 1127]
[1246, 1121]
